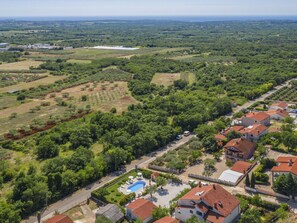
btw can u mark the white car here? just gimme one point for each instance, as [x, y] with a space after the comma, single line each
[187, 133]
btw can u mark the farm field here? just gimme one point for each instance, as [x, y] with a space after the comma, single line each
[79, 61]
[288, 93]
[227, 60]
[7, 101]
[165, 79]
[99, 96]
[26, 85]
[21, 65]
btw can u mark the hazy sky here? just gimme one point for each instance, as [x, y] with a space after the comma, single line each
[11, 8]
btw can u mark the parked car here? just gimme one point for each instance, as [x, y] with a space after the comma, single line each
[178, 137]
[187, 133]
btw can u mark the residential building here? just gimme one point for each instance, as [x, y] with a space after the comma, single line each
[239, 149]
[60, 218]
[285, 165]
[242, 167]
[279, 105]
[235, 128]
[255, 118]
[254, 132]
[140, 209]
[220, 139]
[167, 219]
[278, 114]
[211, 203]
[112, 212]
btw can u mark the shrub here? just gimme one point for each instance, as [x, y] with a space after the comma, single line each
[126, 199]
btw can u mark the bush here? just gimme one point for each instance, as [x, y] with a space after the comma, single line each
[127, 198]
[261, 177]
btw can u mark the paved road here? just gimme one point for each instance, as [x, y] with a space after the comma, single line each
[83, 194]
[263, 97]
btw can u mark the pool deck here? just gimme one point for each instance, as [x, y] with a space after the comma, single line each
[124, 187]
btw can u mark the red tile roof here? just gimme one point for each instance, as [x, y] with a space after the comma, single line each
[256, 129]
[220, 137]
[214, 195]
[259, 116]
[141, 208]
[61, 218]
[241, 166]
[241, 144]
[235, 128]
[279, 112]
[167, 219]
[280, 104]
[286, 164]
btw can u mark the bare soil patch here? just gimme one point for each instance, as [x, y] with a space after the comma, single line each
[165, 79]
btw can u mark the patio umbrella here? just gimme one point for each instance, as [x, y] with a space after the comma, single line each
[131, 177]
[139, 174]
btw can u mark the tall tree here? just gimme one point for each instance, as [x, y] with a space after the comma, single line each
[253, 181]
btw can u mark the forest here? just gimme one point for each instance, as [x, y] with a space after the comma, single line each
[232, 62]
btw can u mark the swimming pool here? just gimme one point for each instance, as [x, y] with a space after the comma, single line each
[136, 186]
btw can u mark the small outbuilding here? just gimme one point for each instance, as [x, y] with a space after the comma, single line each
[231, 176]
[112, 212]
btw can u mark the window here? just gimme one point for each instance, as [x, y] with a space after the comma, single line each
[199, 213]
[191, 211]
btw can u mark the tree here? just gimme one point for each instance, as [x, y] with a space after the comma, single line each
[47, 148]
[116, 157]
[210, 143]
[180, 84]
[161, 181]
[81, 137]
[80, 158]
[102, 219]
[194, 219]
[159, 213]
[233, 135]
[151, 189]
[251, 216]
[247, 181]
[176, 164]
[253, 181]
[285, 184]
[9, 213]
[21, 97]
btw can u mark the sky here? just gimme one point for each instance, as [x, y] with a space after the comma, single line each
[45, 8]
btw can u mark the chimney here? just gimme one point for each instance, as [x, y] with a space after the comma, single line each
[199, 184]
[220, 204]
[290, 162]
[215, 205]
[214, 186]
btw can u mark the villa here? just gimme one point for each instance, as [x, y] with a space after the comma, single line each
[279, 105]
[255, 118]
[254, 132]
[278, 114]
[210, 203]
[140, 209]
[239, 149]
[285, 165]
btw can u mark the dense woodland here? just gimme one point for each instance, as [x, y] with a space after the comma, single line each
[236, 61]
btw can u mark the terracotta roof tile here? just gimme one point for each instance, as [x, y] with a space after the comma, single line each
[259, 116]
[286, 164]
[214, 195]
[220, 137]
[141, 208]
[241, 144]
[279, 112]
[241, 166]
[167, 219]
[280, 104]
[61, 218]
[256, 129]
[235, 128]
[214, 217]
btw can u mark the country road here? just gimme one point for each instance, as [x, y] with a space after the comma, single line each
[83, 194]
[264, 96]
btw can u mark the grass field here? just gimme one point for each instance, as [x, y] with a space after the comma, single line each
[21, 65]
[165, 79]
[79, 61]
[188, 76]
[23, 85]
[7, 101]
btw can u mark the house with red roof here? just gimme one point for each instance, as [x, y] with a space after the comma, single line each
[279, 105]
[278, 114]
[255, 118]
[60, 218]
[239, 149]
[254, 132]
[235, 128]
[242, 167]
[285, 165]
[211, 203]
[167, 219]
[140, 209]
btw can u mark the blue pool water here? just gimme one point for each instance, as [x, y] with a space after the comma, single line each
[136, 186]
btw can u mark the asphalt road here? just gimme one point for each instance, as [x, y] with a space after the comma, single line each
[83, 194]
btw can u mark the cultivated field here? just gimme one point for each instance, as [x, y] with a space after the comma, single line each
[101, 96]
[21, 65]
[26, 85]
[165, 79]
[288, 93]
[206, 57]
